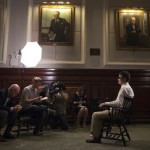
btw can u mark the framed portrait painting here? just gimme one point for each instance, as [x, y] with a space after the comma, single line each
[132, 29]
[56, 25]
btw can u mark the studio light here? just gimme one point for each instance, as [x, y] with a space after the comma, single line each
[31, 54]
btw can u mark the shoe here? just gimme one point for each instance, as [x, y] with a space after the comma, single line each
[93, 140]
[9, 136]
[38, 133]
[2, 139]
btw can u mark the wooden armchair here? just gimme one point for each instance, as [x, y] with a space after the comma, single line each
[118, 118]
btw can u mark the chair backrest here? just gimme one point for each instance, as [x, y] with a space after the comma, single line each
[127, 103]
[121, 114]
[127, 107]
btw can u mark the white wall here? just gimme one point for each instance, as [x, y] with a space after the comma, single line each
[94, 28]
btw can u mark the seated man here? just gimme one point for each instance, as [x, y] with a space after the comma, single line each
[8, 106]
[96, 122]
[29, 101]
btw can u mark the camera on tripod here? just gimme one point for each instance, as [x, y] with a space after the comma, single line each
[56, 87]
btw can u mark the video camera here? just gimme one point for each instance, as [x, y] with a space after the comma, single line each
[56, 87]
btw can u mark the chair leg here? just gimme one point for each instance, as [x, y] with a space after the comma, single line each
[126, 131]
[121, 133]
[108, 130]
[18, 130]
[28, 126]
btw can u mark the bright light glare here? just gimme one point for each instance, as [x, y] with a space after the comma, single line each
[60, 2]
[131, 11]
[31, 54]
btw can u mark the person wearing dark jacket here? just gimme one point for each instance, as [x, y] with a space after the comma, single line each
[59, 28]
[9, 109]
[133, 32]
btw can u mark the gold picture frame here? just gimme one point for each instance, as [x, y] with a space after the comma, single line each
[53, 30]
[129, 36]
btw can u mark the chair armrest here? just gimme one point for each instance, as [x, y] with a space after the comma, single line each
[106, 108]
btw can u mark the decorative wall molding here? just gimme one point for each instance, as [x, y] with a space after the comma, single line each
[4, 31]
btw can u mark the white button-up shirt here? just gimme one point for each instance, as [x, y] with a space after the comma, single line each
[125, 91]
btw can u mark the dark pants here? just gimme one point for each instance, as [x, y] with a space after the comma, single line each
[10, 121]
[58, 121]
[3, 118]
[38, 113]
[9, 118]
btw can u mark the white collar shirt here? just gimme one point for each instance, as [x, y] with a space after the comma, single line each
[125, 91]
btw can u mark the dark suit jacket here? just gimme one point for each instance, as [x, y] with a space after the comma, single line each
[60, 29]
[132, 34]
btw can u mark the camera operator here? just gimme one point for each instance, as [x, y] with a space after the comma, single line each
[57, 98]
[59, 104]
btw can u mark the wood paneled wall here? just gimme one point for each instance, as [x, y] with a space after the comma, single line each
[99, 83]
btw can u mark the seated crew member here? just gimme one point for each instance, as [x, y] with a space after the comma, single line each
[29, 100]
[58, 98]
[9, 109]
[79, 103]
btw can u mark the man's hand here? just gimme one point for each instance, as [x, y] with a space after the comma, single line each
[17, 108]
[102, 105]
[38, 99]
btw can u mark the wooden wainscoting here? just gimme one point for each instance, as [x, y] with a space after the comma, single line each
[99, 83]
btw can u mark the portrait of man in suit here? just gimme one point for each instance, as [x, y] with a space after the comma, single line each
[56, 25]
[59, 28]
[132, 29]
[133, 32]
